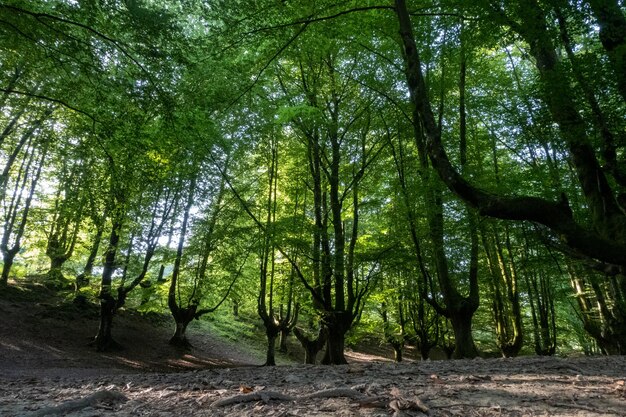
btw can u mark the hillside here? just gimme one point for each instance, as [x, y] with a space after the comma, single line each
[41, 334]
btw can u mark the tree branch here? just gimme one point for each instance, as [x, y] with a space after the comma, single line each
[50, 99]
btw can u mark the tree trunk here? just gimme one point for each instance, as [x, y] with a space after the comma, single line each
[542, 311]
[55, 274]
[335, 344]
[426, 131]
[282, 343]
[57, 262]
[95, 247]
[602, 303]
[272, 334]
[424, 349]
[181, 315]
[609, 143]
[604, 241]
[104, 340]
[82, 280]
[395, 340]
[311, 346]
[15, 222]
[179, 339]
[7, 258]
[462, 326]
[397, 350]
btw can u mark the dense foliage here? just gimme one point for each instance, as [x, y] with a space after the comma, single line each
[442, 174]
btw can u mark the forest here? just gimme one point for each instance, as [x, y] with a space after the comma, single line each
[437, 174]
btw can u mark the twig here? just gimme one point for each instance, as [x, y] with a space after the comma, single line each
[74, 405]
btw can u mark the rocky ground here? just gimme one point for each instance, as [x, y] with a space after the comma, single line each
[46, 368]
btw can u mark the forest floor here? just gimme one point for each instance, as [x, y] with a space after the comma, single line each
[47, 368]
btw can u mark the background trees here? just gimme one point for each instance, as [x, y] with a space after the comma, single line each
[324, 154]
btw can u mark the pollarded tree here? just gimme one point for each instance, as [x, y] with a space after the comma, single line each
[457, 307]
[333, 120]
[20, 179]
[136, 157]
[275, 320]
[68, 208]
[207, 267]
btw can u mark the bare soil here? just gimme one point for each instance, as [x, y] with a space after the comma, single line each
[47, 368]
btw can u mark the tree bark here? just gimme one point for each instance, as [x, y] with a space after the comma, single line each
[272, 334]
[7, 259]
[462, 325]
[337, 325]
[602, 306]
[182, 318]
[282, 343]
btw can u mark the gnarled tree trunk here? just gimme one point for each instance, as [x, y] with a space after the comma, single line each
[312, 346]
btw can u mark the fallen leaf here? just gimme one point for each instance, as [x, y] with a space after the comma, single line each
[244, 389]
[435, 378]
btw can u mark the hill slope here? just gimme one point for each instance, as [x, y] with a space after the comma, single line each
[41, 334]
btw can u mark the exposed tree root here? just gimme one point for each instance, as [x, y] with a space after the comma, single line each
[335, 392]
[266, 396]
[73, 405]
[397, 405]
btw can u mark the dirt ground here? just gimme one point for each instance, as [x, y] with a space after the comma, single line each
[46, 368]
